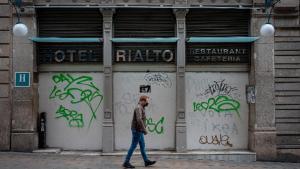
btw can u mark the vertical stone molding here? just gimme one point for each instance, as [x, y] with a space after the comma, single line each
[181, 140]
[108, 126]
[262, 135]
[25, 109]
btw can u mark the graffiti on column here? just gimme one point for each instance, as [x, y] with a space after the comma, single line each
[159, 79]
[77, 90]
[155, 127]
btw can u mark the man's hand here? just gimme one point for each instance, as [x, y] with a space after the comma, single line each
[145, 132]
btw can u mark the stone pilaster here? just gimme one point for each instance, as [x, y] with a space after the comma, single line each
[24, 111]
[181, 140]
[108, 125]
[262, 131]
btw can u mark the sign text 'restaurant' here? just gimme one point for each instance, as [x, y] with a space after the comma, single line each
[218, 53]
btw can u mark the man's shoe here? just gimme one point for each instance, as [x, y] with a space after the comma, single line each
[128, 165]
[148, 163]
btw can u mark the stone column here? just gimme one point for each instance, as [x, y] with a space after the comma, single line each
[262, 131]
[181, 140]
[5, 74]
[108, 125]
[25, 107]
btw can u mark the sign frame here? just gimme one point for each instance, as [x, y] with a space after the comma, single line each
[27, 84]
[218, 53]
[146, 53]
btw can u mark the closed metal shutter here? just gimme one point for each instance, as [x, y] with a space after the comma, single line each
[144, 23]
[217, 22]
[69, 23]
[287, 88]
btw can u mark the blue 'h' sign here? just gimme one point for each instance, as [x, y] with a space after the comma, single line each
[22, 79]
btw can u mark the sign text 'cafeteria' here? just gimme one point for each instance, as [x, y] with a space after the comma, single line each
[218, 53]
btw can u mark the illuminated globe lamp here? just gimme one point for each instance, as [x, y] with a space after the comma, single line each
[267, 30]
[20, 29]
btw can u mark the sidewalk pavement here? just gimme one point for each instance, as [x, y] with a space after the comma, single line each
[11, 160]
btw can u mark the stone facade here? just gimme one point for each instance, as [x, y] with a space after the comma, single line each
[19, 106]
[5, 71]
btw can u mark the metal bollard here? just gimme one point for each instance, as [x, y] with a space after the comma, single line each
[42, 130]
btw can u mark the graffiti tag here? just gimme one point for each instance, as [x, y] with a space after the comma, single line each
[225, 128]
[160, 79]
[218, 104]
[219, 87]
[216, 140]
[74, 118]
[155, 127]
[79, 90]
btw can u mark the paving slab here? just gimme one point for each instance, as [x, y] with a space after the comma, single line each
[11, 160]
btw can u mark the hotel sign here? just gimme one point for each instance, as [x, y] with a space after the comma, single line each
[145, 54]
[22, 79]
[69, 53]
[218, 53]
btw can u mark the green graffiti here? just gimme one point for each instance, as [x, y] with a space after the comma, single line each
[218, 104]
[74, 118]
[79, 90]
[155, 127]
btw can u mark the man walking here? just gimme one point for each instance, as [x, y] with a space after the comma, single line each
[138, 129]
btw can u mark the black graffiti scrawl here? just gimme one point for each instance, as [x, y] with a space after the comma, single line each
[219, 88]
[159, 79]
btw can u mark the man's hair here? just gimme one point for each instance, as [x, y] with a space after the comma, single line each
[144, 98]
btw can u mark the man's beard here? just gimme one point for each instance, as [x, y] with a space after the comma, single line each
[146, 104]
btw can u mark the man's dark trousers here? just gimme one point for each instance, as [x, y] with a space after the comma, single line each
[137, 138]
